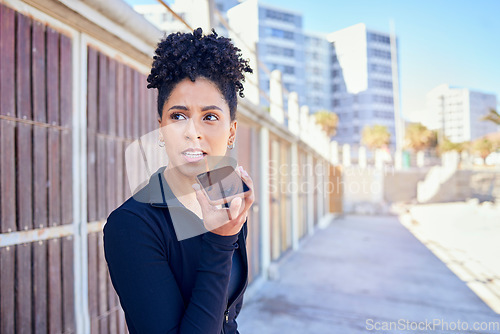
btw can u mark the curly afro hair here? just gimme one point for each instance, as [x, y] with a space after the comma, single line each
[192, 55]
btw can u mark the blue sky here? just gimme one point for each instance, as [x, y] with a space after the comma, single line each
[455, 42]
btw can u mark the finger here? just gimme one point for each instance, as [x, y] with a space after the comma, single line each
[249, 197]
[201, 198]
[234, 208]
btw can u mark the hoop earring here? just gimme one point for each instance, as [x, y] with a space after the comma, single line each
[230, 146]
[161, 143]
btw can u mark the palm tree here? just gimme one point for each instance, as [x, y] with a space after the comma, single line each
[418, 137]
[446, 145]
[328, 121]
[482, 146]
[492, 116]
[376, 136]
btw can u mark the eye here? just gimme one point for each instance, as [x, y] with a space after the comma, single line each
[212, 115]
[175, 115]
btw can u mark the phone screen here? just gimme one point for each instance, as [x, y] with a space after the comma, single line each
[222, 182]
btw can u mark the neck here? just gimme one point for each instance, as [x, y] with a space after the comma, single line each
[179, 183]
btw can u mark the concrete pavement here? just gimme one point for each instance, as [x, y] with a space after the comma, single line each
[364, 274]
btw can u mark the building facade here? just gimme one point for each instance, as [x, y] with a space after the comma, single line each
[317, 65]
[457, 112]
[194, 12]
[275, 35]
[361, 82]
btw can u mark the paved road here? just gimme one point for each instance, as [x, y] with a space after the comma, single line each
[359, 274]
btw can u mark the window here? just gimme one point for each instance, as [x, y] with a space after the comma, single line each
[379, 38]
[335, 102]
[335, 73]
[275, 15]
[380, 53]
[289, 70]
[381, 84]
[281, 33]
[383, 99]
[288, 52]
[380, 68]
[335, 88]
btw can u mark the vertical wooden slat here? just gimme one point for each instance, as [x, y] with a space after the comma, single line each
[55, 289]
[40, 287]
[7, 128]
[112, 127]
[91, 134]
[7, 168]
[54, 173]
[7, 61]
[120, 99]
[66, 109]
[102, 116]
[7, 289]
[39, 177]
[68, 314]
[92, 278]
[120, 130]
[111, 90]
[135, 102]
[68, 278]
[128, 102]
[128, 126]
[24, 174]
[102, 199]
[110, 178]
[103, 94]
[103, 287]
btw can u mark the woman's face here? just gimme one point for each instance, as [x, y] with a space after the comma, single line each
[195, 117]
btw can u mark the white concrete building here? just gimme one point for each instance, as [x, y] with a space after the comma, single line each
[194, 12]
[362, 85]
[459, 111]
[317, 71]
[276, 36]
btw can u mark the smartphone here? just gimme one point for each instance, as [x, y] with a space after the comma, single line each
[221, 185]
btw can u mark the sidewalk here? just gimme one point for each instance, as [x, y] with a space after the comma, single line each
[358, 273]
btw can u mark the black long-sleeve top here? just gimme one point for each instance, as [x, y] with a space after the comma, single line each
[170, 273]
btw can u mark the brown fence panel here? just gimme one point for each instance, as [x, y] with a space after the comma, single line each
[118, 113]
[7, 168]
[246, 146]
[335, 196]
[35, 184]
[24, 169]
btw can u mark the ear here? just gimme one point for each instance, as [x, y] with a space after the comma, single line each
[232, 130]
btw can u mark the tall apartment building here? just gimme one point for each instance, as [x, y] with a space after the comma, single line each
[194, 12]
[317, 71]
[458, 111]
[361, 82]
[275, 34]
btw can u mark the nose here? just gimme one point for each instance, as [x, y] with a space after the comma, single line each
[191, 130]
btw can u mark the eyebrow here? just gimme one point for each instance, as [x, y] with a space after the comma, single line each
[212, 107]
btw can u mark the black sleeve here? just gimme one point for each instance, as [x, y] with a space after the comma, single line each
[146, 285]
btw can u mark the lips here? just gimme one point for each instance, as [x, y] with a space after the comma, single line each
[194, 152]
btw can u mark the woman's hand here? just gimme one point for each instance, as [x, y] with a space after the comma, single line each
[226, 221]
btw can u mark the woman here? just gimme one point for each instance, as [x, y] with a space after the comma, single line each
[177, 263]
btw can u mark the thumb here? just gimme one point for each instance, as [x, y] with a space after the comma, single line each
[235, 206]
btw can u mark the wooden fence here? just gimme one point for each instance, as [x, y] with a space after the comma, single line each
[69, 107]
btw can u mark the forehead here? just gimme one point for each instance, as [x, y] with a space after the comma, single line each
[201, 91]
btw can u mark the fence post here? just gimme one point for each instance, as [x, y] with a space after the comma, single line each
[276, 96]
[264, 201]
